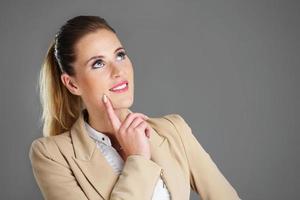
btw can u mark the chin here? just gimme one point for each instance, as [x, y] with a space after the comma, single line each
[122, 102]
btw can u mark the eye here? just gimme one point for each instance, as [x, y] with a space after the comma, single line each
[121, 55]
[98, 63]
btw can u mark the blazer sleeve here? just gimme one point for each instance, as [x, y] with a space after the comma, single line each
[54, 179]
[137, 179]
[205, 177]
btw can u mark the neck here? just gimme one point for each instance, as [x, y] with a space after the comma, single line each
[101, 122]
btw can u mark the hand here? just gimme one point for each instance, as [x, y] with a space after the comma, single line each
[132, 134]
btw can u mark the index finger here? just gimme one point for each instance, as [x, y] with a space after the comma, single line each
[114, 119]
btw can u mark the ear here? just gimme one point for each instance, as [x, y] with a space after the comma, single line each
[70, 84]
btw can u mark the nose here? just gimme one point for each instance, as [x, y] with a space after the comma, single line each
[116, 70]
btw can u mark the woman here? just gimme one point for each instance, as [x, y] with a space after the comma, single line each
[95, 147]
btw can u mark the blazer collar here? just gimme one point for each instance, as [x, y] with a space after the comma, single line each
[98, 171]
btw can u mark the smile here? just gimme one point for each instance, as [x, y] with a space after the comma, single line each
[122, 87]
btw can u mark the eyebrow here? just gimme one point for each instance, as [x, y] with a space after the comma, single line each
[100, 56]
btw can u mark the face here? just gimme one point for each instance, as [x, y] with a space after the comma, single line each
[101, 62]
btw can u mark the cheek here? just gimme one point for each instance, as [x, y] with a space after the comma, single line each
[94, 85]
[130, 69]
[94, 92]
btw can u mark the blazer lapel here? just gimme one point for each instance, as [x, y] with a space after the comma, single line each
[101, 175]
[91, 161]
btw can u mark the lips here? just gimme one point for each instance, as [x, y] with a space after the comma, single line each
[118, 84]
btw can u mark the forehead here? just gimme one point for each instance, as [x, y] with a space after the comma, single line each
[100, 42]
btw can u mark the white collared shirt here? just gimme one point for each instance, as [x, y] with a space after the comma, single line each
[115, 160]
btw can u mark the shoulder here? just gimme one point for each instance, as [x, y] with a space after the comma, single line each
[171, 126]
[50, 142]
[182, 127]
[181, 132]
[180, 124]
[50, 147]
[173, 121]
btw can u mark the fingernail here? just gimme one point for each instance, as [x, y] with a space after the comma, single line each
[104, 98]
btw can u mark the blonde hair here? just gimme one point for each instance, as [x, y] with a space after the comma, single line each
[61, 108]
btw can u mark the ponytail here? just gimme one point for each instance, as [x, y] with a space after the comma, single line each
[60, 108]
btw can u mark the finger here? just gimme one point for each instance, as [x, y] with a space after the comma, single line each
[130, 117]
[142, 126]
[139, 122]
[136, 121]
[114, 119]
[147, 131]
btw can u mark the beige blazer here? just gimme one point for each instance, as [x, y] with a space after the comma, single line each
[69, 166]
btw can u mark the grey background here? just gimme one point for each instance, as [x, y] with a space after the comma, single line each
[230, 68]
